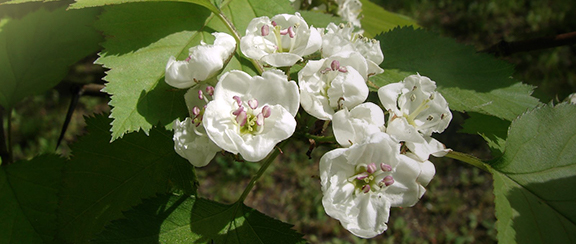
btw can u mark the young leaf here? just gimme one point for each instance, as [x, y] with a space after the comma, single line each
[29, 199]
[469, 81]
[534, 178]
[377, 20]
[214, 222]
[103, 179]
[163, 219]
[141, 38]
[35, 51]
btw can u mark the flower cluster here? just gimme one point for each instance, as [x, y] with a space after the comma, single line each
[382, 159]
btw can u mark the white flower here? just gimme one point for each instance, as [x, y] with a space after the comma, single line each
[191, 144]
[250, 115]
[203, 62]
[355, 126]
[571, 98]
[362, 182]
[349, 10]
[341, 38]
[416, 111]
[280, 41]
[190, 139]
[332, 83]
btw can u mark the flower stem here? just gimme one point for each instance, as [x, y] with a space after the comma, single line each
[266, 163]
[469, 159]
[236, 35]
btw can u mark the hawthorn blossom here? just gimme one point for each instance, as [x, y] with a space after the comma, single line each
[329, 84]
[362, 182]
[190, 139]
[342, 38]
[250, 115]
[354, 126]
[350, 10]
[280, 41]
[416, 111]
[203, 62]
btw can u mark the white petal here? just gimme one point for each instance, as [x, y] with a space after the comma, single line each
[197, 149]
[356, 126]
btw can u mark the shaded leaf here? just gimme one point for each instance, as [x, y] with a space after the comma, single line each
[103, 179]
[163, 219]
[492, 129]
[141, 38]
[29, 199]
[470, 81]
[214, 222]
[36, 50]
[534, 177]
[94, 3]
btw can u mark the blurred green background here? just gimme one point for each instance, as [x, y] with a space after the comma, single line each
[458, 206]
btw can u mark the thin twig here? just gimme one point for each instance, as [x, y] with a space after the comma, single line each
[504, 48]
[3, 146]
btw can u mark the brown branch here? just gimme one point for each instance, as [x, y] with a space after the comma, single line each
[504, 48]
[5, 152]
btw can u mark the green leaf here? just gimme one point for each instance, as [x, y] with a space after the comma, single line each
[534, 178]
[163, 219]
[103, 179]
[377, 20]
[141, 38]
[492, 129]
[35, 51]
[29, 199]
[319, 20]
[214, 222]
[470, 81]
[94, 3]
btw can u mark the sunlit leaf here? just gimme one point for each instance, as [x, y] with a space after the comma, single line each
[470, 81]
[534, 178]
[103, 179]
[163, 219]
[214, 222]
[28, 193]
[141, 38]
[36, 50]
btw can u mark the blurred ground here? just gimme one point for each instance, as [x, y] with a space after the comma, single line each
[458, 206]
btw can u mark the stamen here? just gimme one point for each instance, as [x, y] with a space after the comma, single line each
[284, 32]
[343, 69]
[385, 167]
[361, 176]
[274, 23]
[188, 58]
[260, 119]
[210, 90]
[388, 180]
[195, 111]
[253, 104]
[366, 188]
[291, 32]
[200, 95]
[241, 118]
[371, 168]
[265, 30]
[266, 111]
[430, 118]
[238, 111]
[238, 100]
[335, 65]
